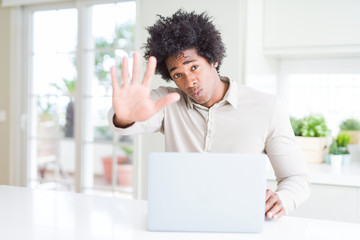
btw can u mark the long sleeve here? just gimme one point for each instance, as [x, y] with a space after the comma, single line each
[288, 161]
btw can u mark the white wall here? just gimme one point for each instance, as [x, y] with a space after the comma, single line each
[260, 72]
[5, 16]
[229, 16]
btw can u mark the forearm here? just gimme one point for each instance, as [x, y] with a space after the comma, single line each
[288, 161]
[149, 126]
[293, 191]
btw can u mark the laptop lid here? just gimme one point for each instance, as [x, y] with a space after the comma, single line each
[206, 192]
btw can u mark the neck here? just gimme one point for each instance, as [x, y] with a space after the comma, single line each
[223, 86]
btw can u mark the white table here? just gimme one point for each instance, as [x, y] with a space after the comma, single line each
[43, 214]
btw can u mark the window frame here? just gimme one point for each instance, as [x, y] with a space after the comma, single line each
[83, 10]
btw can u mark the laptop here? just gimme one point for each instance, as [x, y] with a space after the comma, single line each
[206, 192]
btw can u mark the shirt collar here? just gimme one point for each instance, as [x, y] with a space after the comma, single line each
[231, 96]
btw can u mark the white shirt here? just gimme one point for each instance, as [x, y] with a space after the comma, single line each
[244, 121]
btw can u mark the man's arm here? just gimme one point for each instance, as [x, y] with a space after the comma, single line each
[289, 164]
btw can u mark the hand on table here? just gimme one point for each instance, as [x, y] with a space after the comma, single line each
[273, 208]
[132, 101]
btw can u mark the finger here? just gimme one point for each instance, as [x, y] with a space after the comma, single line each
[279, 213]
[271, 201]
[114, 79]
[268, 194]
[150, 71]
[136, 68]
[276, 210]
[125, 71]
[168, 99]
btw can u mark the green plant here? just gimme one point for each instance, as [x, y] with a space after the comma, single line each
[343, 139]
[350, 124]
[334, 150]
[46, 110]
[124, 39]
[296, 125]
[103, 133]
[68, 89]
[128, 149]
[310, 126]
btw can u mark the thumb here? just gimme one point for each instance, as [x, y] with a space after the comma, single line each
[166, 100]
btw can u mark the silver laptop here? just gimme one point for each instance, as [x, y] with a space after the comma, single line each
[206, 192]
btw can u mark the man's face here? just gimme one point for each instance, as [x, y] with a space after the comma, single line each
[196, 77]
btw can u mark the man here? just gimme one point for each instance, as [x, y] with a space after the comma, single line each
[207, 112]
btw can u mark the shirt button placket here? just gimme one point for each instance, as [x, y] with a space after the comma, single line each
[209, 130]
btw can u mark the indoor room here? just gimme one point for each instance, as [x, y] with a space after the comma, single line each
[69, 171]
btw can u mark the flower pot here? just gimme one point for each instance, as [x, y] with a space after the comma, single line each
[327, 158]
[107, 164]
[336, 161]
[346, 159]
[355, 136]
[125, 175]
[314, 148]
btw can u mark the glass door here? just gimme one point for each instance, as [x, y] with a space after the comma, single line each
[51, 99]
[71, 52]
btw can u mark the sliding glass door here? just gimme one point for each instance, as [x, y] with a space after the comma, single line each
[69, 53]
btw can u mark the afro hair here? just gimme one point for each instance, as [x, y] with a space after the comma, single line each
[170, 36]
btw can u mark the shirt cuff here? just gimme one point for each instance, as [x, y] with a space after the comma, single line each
[287, 201]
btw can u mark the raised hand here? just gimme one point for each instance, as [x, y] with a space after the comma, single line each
[132, 101]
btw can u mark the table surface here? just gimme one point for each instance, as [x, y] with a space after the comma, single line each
[44, 214]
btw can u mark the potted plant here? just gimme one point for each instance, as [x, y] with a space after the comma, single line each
[312, 134]
[68, 89]
[124, 167]
[335, 155]
[342, 141]
[351, 126]
[47, 128]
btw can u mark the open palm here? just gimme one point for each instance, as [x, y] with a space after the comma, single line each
[132, 102]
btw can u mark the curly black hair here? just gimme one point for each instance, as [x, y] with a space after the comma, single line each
[170, 36]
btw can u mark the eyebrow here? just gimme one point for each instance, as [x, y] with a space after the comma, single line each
[184, 63]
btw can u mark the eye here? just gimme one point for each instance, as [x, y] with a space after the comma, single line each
[194, 67]
[177, 75]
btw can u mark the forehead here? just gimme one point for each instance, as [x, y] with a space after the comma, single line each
[183, 57]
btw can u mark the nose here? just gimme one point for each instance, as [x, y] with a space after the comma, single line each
[190, 80]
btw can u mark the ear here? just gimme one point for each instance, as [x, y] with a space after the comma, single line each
[215, 64]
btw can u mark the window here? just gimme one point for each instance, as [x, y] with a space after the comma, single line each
[335, 96]
[330, 87]
[69, 142]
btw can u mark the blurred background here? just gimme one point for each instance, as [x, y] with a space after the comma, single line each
[55, 86]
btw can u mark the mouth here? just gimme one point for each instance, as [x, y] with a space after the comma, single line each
[196, 93]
